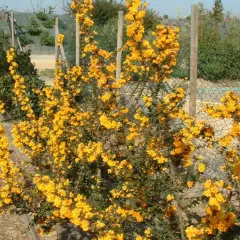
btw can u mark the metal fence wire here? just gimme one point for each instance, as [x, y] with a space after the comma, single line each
[211, 93]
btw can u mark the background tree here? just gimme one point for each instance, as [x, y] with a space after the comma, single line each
[165, 16]
[105, 17]
[217, 12]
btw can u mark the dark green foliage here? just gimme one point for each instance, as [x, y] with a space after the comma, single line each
[151, 19]
[32, 81]
[62, 24]
[155, 190]
[46, 39]
[211, 65]
[105, 10]
[51, 9]
[219, 49]
[25, 40]
[217, 12]
[165, 229]
[219, 61]
[49, 23]
[107, 38]
[34, 29]
[25, 66]
[42, 16]
[183, 61]
[4, 41]
[233, 234]
[3, 61]
[107, 35]
[69, 43]
[24, 37]
[209, 31]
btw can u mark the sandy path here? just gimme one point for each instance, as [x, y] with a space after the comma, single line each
[43, 61]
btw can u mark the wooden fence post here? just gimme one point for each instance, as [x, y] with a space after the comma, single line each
[56, 41]
[33, 231]
[194, 61]
[63, 56]
[77, 43]
[119, 44]
[18, 40]
[64, 59]
[12, 29]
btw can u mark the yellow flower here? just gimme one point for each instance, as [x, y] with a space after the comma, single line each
[2, 110]
[99, 224]
[109, 124]
[148, 101]
[170, 198]
[106, 97]
[60, 39]
[208, 184]
[220, 198]
[193, 233]
[201, 167]
[223, 168]
[190, 184]
[148, 231]
[7, 200]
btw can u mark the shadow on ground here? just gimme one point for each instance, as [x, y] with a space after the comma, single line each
[69, 232]
[233, 234]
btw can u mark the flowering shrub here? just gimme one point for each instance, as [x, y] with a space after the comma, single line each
[104, 15]
[114, 168]
[32, 80]
[222, 197]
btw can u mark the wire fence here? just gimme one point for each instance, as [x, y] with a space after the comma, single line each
[211, 93]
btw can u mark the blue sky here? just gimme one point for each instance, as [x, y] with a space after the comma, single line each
[170, 7]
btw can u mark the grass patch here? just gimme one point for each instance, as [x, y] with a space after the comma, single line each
[47, 73]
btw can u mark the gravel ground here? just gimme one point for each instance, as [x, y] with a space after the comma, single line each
[13, 227]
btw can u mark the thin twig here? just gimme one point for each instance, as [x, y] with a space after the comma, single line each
[179, 211]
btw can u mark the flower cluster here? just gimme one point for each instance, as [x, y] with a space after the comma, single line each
[66, 204]
[60, 39]
[146, 56]
[10, 175]
[114, 167]
[2, 110]
[217, 218]
[229, 109]
[19, 87]
[221, 211]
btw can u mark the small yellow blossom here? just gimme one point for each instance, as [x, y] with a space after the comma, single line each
[201, 167]
[170, 198]
[60, 39]
[190, 184]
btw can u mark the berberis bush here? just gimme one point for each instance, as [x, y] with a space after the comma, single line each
[32, 81]
[117, 169]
